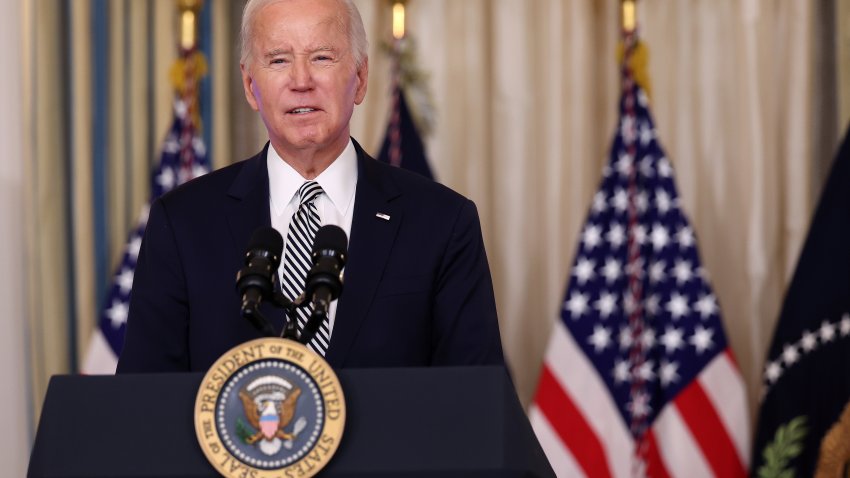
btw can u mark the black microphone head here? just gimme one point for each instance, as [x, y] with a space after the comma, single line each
[268, 242]
[330, 238]
[329, 257]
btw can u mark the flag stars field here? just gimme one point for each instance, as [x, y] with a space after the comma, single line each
[827, 331]
[701, 340]
[685, 237]
[620, 200]
[622, 372]
[642, 202]
[591, 237]
[611, 271]
[647, 338]
[636, 269]
[646, 133]
[663, 201]
[117, 313]
[672, 340]
[790, 355]
[773, 372]
[645, 371]
[659, 237]
[624, 165]
[646, 168]
[656, 272]
[682, 272]
[616, 236]
[625, 338]
[577, 305]
[583, 271]
[134, 246]
[706, 306]
[678, 306]
[600, 339]
[809, 341]
[606, 305]
[125, 280]
[639, 234]
[845, 325]
[668, 373]
[600, 202]
[652, 305]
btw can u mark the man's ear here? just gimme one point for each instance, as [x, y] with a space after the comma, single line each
[248, 85]
[362, 80]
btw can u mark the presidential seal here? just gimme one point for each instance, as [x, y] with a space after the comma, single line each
[269, 408]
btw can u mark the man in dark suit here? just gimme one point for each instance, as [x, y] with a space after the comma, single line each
[417, 285]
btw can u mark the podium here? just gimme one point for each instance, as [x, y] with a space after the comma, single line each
[401, 422]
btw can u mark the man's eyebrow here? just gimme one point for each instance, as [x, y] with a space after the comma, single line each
[284, 51]
[275, 52]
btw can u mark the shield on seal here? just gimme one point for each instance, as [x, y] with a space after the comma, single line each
[269, 420]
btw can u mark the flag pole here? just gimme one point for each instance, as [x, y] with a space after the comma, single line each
[186, 74]
[394, 133]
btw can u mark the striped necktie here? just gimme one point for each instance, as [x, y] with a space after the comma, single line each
[297, 262]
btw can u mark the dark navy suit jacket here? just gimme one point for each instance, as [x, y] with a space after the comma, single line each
[417, 287]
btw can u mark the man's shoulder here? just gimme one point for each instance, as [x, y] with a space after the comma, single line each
[415, 186]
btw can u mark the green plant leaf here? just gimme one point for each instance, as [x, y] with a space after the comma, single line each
[786, 445]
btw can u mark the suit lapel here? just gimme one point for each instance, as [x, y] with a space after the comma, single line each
[369, 247]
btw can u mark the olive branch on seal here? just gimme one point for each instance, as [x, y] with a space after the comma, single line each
[786, 445]
[243, 430]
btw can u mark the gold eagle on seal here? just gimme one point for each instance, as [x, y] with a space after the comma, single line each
[269, 417]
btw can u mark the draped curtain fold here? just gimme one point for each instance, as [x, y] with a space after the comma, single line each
[525, 96]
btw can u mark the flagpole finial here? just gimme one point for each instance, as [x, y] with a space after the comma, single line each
[189, 22]
[398, 20]
[629, 16]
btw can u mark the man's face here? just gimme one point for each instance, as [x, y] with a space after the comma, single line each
[301, 76]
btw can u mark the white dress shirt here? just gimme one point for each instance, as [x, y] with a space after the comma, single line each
[335, 206]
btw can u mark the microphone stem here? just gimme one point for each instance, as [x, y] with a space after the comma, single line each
[253, 314]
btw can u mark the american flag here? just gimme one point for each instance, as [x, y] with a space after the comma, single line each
[402, 146]
[183, 157]
[638, 378]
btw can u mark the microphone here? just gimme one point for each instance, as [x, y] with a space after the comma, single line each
[255, 281]
[324, 280]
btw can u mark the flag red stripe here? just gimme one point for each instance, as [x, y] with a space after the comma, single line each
[654, 464]
[707, 429]
[570, 425]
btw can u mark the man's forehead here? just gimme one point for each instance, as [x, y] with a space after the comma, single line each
[284, 14]
[325, 30]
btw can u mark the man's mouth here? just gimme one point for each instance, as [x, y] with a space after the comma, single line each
[301, 111]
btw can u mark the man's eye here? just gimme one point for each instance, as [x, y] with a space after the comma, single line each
[278, 61]
[323, 58]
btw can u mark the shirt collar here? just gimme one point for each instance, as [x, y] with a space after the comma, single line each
[339, 180]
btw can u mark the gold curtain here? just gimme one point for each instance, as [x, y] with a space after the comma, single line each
[136, 102]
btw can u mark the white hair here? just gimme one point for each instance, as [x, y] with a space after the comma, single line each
[354, 26]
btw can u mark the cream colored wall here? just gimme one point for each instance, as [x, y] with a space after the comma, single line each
[16, 437]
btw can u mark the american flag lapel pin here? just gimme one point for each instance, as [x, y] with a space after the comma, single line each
[380, 215]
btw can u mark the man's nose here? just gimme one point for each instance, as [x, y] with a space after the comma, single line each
[302, 77]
